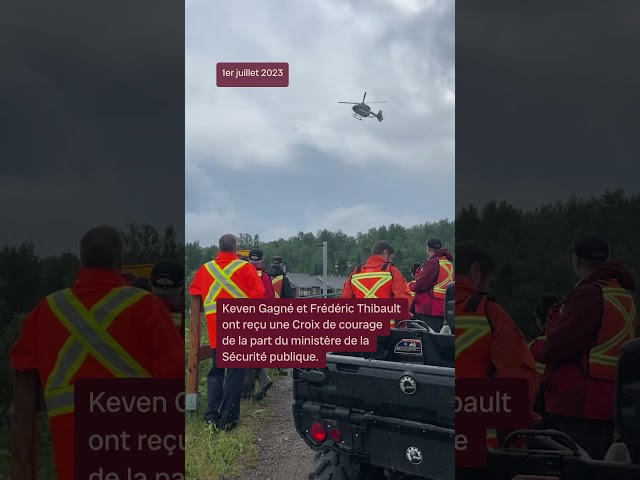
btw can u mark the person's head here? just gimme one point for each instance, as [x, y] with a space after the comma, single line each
[433, 246]
[416, 266]
[384, 249]
[476, 265]
[167, 283]
[102, 247]
[256, 258]
[277, 262]
[590, 252]
[228, 243]
[542, 309]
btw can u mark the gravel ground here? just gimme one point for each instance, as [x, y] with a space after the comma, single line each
[283, 454]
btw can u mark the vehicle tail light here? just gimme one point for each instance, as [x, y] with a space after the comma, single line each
[318, 433]
[335, 435]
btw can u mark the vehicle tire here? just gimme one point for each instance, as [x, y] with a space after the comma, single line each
[331, 465]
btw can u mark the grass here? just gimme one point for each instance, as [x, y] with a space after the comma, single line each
[216, 455]
[209, 454]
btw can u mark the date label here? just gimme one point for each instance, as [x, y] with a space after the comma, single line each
[252, 75]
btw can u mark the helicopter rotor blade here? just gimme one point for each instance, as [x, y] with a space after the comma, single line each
[383, 101]
[365, 96]
[350, 103]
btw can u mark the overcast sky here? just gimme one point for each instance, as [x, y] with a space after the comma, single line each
[276, 161]
[91, 116]
[547, 100]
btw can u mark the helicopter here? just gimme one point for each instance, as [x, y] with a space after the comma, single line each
[362, 110]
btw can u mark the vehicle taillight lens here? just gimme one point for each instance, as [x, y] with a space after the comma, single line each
[318, 433]
[335, 435]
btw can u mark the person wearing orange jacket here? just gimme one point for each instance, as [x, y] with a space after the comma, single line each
[281, 284]
[167, 283]
[431, 284]
[281, 287]
[583, 345]
[488, 343]
[256, 258]
[378, 277]
[99, 328]
[225, 277]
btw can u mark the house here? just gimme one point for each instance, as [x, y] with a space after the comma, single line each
[305, 285]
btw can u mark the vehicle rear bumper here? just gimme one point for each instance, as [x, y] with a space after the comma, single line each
[385, 442]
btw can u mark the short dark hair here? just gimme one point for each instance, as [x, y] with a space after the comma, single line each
[102, 247]
[416, 266]
[380, 247]
[468, 253]
[228, 243]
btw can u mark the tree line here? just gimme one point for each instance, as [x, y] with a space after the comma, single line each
[25, 278]
[533, 248]
[301, 254]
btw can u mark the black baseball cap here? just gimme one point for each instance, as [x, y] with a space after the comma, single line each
[591, 247]
[434, 243]
[276, 260]
[255, 254]
[167, 274]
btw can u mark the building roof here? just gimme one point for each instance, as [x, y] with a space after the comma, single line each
[303, 280]
[335, 282]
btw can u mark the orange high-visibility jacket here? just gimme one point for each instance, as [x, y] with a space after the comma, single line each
[445, 277]
[99, 328]
[224, 277]
[277, 283]
[618, 327]
[377, 279]
[489, 345]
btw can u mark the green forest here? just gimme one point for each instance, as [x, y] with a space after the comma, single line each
[533, 248]
[301, 255]
[25, 278]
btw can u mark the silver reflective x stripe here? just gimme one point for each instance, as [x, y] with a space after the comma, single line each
[223, 280]
[384, 277]
[89, 336]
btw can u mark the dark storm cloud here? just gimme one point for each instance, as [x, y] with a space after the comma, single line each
[277, 162]
[94, 87]
[547, 97]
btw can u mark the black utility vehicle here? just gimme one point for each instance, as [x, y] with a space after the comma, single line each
[552, 455]
[386, 414]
